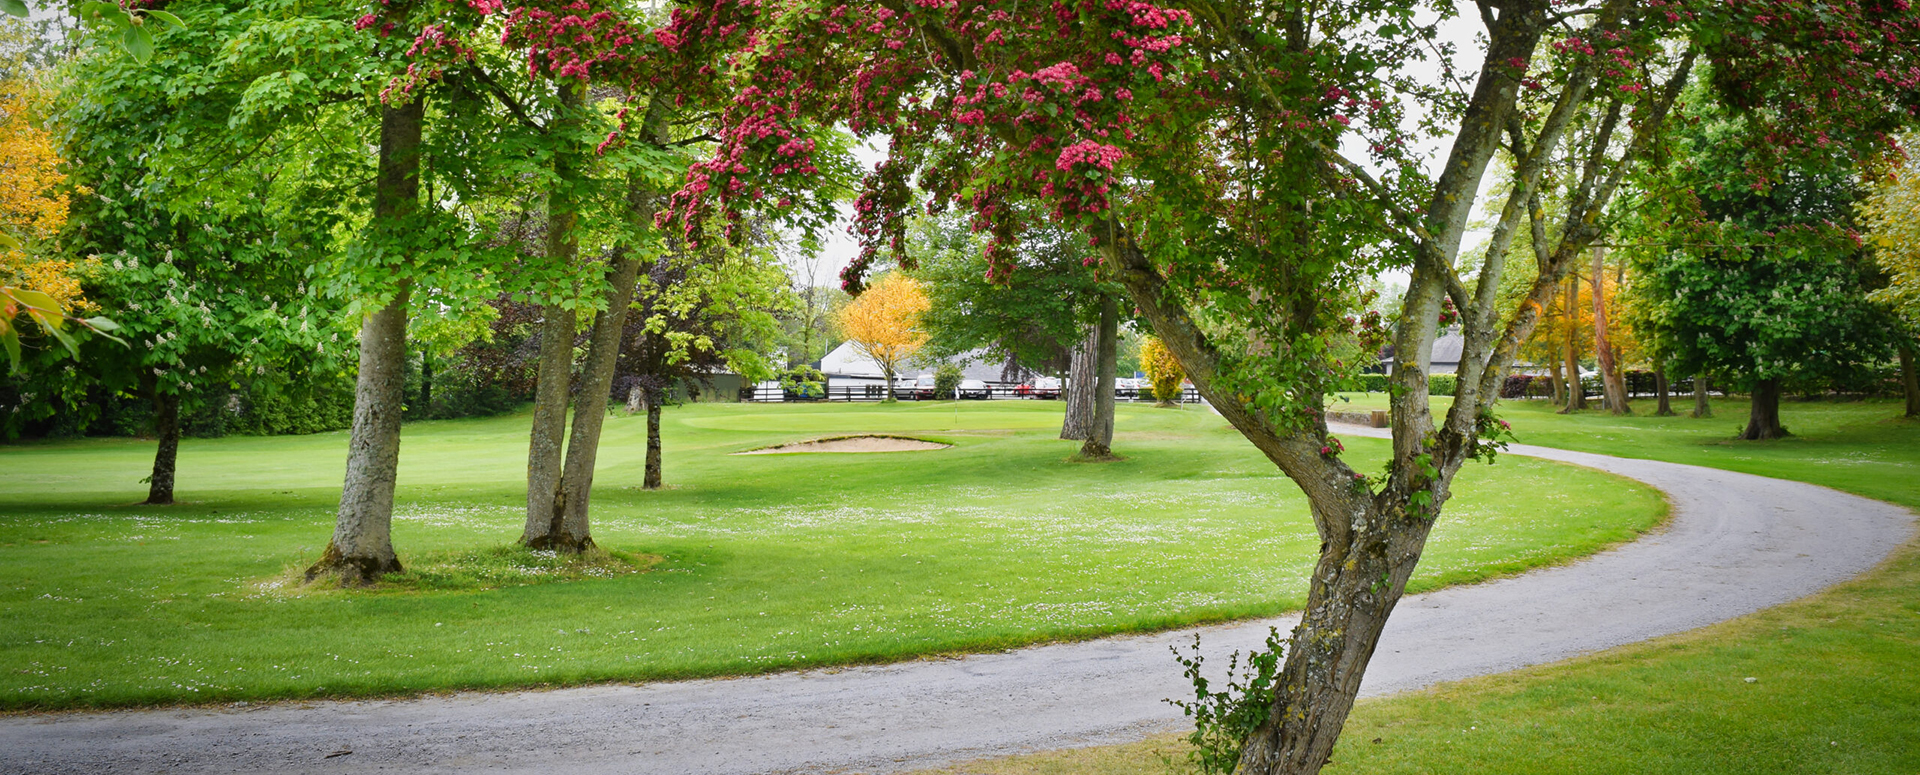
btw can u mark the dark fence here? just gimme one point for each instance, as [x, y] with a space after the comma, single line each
[870, 392]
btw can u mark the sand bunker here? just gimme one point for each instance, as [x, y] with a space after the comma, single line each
[851, 444]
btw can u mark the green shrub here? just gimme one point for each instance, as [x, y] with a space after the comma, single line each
[803, 382]
[946, 381]
[1441, 384]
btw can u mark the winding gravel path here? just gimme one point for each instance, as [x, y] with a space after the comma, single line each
[1736, 544]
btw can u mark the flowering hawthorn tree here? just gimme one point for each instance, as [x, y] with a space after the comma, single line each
[1198, 146]
[1201, 147]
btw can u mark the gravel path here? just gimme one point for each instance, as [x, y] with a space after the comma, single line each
[1737, 543]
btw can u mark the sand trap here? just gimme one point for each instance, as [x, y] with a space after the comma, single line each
[851, 444]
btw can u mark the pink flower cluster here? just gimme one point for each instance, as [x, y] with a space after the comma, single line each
[1087, 151]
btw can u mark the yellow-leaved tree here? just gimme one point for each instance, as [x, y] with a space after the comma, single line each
[884, 323]
[33, 207]
[1892, 213]
[1163, 370]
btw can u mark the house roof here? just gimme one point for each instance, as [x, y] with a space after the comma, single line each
[845, 361]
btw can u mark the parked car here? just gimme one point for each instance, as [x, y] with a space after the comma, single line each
[1039, 387]
[923, 388]
[1127, 387]
[973, 388]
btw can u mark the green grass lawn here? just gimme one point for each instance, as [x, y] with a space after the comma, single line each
[768, 562]
[1836, 688]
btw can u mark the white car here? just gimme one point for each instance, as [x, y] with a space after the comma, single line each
[973, 388]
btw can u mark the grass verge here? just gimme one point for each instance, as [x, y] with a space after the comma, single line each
[1834, 689]
[767, 562]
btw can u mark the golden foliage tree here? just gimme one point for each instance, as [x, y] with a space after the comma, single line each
[33, 206]
[1163, 370]
[1892, 215]
[884, 323]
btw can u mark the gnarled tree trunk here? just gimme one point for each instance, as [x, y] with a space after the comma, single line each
[1763, 422]
[1099, 442]
[554, 379]
[362, 546]
[1083, 370]
[1700, 406]
[166, 426]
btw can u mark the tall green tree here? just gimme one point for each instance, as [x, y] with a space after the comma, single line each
[1046, 314]
[697, 314]
[200, 233]
[1759, 281]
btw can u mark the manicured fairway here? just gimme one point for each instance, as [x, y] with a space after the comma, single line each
[1835, 688]
[771, 562]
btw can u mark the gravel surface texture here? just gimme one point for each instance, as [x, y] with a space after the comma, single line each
[1736, 544]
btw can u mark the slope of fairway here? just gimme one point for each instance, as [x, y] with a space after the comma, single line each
[771, 562]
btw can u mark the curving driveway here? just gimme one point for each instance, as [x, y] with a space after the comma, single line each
[1737, 543]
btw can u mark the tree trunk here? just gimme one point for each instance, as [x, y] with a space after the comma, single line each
[1763, 422]
[1082, 378]
[1559, 384]
[1700, 406]
[557, 328]
[1576, 391]
[573, 530]
[1909, 380]
[652, 481]
[1664, 389]
[362, 546]
[634, 396]
[426, 384]
[1355, 586]
[1099, 443]
[1613, 382]
[166, 425]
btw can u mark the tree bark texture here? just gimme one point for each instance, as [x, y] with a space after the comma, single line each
[1909, 379]
[1082, 377]
[572, 531]
[1356, 584]
[166, 426]
[1612, 381]
[635, 395]
[1559, 383]
[554, 379]
[1664, 389]
[1576, 391]
[1763, 421]
[1099, 442]
[652, 481]
[362, 546]
[1700, 406]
